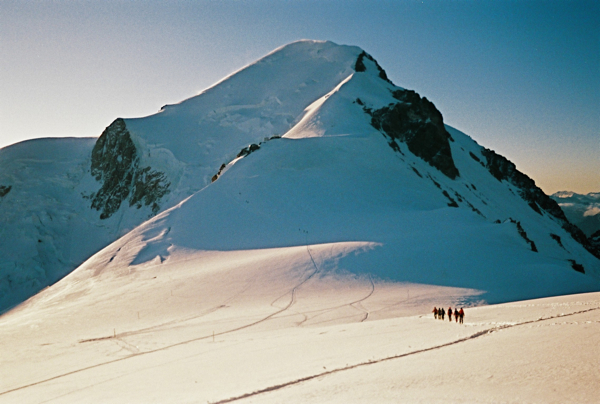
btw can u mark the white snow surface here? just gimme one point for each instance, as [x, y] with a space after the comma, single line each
[274, 325]
[308, 270]
[191, 140]
[44, 221]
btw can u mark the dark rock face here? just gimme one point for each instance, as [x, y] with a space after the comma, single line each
[115, 164]
[417, 122]
[523, 234]
[359, 66]
[216, 176]
[247, 150]
[452, 202]
[504, 170]
[4, 190]
[474, 157]
[577, 267]
[556, 238]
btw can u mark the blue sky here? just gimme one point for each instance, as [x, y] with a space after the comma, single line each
[520, 77]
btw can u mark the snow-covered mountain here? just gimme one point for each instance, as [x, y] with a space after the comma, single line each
[282, 237]
[581, 210]
[310, 145]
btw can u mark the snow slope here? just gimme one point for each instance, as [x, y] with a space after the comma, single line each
[274, 325]
[43, 220]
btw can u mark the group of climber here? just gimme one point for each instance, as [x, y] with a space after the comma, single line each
[441, 313]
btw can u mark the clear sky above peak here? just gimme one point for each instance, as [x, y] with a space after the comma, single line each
[522, 78]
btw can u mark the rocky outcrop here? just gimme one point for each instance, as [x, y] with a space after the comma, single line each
[4, 190]
[359, 66]
[115, 164]
[577, 267]
[523, 234]
[247, 150]
[416, 122]
[216, 176]
[504, 170]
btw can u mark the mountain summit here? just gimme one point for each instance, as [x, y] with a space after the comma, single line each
[310, 145]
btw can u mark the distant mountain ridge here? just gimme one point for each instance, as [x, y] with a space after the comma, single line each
[311, 139]
[583, 210]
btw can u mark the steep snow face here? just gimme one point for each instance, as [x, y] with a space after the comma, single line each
[140, 166]
[54, 214]
[44, 222]
[581, 210]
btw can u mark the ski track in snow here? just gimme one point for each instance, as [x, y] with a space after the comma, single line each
[372, 362]
[131, 348]
[169, 324]
[117, 338]
[357, 304]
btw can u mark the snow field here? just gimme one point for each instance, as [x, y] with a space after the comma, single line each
[527, 359]
[277, 318]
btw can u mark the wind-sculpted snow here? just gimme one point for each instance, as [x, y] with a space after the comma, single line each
[184, 329]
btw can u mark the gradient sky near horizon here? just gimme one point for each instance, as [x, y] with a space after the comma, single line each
[519, 77]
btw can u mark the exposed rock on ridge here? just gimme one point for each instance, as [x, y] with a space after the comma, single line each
[359, 66]
[115, 163]
[503, 169]
[4, 190]
[417, 122]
